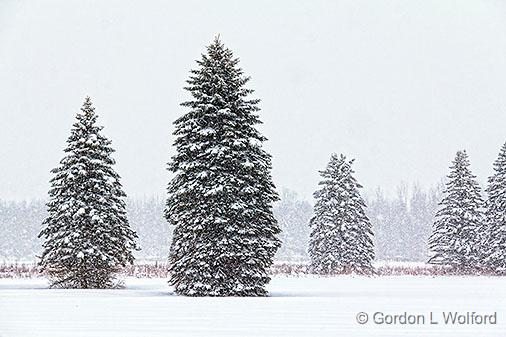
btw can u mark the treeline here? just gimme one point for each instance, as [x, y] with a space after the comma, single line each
[20, 223]
[403, 222]
[401, 225]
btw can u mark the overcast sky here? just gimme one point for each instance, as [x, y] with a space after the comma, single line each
[398, 85]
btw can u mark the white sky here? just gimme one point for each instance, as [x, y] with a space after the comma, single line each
[398, 85]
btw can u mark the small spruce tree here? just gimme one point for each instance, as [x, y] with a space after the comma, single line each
[456, 240]
[87, 238]
[341, 234]
[220, 199]
[495, 213]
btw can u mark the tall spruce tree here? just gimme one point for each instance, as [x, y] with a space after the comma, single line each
[495, 249]
[87, 235]
[221, 195]
[341, 234]
[456, 234]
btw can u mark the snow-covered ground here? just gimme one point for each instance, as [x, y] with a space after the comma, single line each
[305, 306]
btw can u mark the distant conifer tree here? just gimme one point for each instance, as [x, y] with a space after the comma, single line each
[341, 233]
[455, 240]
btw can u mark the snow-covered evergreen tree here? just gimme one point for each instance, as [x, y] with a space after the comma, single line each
[87, 235]
[495, 248]
[456, 235]
[220, 199]
[341, 233]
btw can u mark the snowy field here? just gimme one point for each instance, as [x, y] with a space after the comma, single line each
[305, 306]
